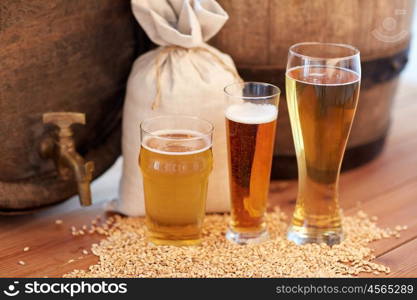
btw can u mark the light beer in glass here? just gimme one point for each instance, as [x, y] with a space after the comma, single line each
[322, 86]
[175, 160]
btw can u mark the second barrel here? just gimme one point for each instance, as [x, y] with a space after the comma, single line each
[259, 33]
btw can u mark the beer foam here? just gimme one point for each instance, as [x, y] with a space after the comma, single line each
[251, 113]
[160, 142]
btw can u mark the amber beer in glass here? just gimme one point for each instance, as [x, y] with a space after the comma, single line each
[322, 86]
[251, 117]
[175, 160]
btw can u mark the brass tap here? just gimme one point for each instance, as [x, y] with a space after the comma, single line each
[61, 148]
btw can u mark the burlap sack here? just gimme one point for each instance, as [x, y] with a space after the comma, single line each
[183, 76]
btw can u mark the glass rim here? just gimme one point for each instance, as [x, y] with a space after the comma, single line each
[292, 51]
[209, 132]
[272, 95]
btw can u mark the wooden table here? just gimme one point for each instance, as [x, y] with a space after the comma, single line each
[386, 187]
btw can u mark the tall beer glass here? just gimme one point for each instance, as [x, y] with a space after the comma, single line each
[251, 116]
[176, 160]
[322, 83]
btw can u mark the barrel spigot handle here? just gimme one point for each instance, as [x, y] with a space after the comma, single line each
[64, 120]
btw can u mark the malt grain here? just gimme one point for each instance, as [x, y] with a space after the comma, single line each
[125, 252]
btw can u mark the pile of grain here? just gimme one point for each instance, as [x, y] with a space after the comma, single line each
[125, 252]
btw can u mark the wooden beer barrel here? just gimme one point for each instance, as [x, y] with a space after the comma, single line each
[259, 33]
[60, 55]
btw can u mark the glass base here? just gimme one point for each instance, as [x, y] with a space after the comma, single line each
[163, 242]
[246, 238]
[303, 235]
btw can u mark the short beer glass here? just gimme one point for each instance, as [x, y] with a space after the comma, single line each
[175, 160]
[251, 117]
[322, 86]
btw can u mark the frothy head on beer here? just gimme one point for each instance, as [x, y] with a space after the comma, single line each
[251, 113]
[176, 142]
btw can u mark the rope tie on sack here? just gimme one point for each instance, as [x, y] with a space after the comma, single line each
[169, 49]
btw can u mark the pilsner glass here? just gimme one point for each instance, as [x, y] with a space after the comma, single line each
[175, 160]
[251, 117]
[322, 84]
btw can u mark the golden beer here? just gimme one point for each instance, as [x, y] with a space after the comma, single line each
[321, 101]
[175, 165]
[250, 129]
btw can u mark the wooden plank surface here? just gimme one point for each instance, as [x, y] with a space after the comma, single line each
[386, 187]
